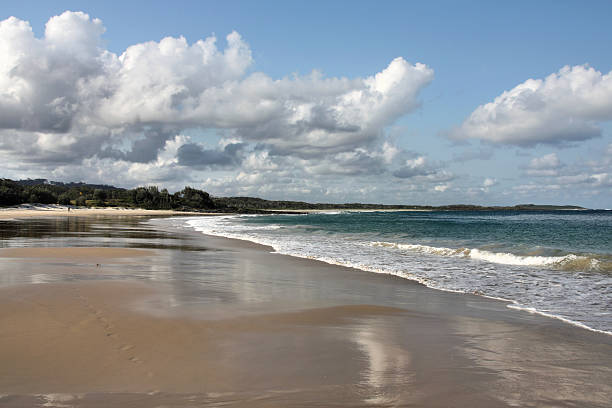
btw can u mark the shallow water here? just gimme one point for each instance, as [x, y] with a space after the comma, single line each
[557, 263]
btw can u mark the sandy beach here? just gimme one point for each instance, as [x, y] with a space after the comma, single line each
[102, 311]
[63, 211]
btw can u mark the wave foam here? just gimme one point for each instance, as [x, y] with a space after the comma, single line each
[533, 310]
[440, 271]
[566, 262]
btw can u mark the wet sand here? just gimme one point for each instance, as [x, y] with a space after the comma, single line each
[19, 213]
[82, 338]
[142, 315]
[90, 253]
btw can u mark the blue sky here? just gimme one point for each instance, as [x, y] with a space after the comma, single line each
[556, 147]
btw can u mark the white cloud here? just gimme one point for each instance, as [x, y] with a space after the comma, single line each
[486, 186]
[167, 81]
[419, 169]
[389, 152]
[441, 187]
[602, 179]
[259, 161]
[47, 82]
[358, 161]
[549, 161]
[547, 165]
[489, 182]
[417, 166]
[565, 106]
[67, 101]
[165, 169]
[567, 182]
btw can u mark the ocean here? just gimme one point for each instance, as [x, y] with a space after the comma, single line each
[557, 263]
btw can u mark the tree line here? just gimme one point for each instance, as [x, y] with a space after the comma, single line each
[152, 198]
[86, 195]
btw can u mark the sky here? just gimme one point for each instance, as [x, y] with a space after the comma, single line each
[347, 101]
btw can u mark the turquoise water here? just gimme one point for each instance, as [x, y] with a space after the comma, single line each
[552, 262]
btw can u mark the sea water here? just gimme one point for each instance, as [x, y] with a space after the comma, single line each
[558, 263]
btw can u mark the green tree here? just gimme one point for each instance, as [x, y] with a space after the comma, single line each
[99, 195]
[81, 201]
[10, 192]
[63, 199]
[41, 195]
[191, 197]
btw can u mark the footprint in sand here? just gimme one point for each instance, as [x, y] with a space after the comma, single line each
[105, 323]
[108, 327]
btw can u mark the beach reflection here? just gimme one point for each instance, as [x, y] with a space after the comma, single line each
[389, 368]
[539, 358]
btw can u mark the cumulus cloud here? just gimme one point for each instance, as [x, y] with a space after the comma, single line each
[548, 161]
[601, 179]
[547, 165]
[414, 167]
[356, 162]
[568, 181]
[566, 106]
[46, 82]
[420, 169]
[71, 108]
[64, 99]
[164, 169]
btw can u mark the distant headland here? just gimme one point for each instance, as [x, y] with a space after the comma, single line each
[43, 191]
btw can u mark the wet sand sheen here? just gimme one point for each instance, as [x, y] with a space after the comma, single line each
[72, 253]
[228, 323]
[20, 213]
[82, 338]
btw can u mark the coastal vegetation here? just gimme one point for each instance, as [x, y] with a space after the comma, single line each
[42, 191]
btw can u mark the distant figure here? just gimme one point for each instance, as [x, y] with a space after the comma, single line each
[68, 209]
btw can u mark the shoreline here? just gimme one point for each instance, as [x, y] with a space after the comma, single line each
[511, 304]
[56, 211]
[204, 320]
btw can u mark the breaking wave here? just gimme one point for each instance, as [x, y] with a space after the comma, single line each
[572, 285]
[569, 262]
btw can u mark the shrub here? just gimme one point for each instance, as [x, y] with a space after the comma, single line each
[63, 199]
[81, 201]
